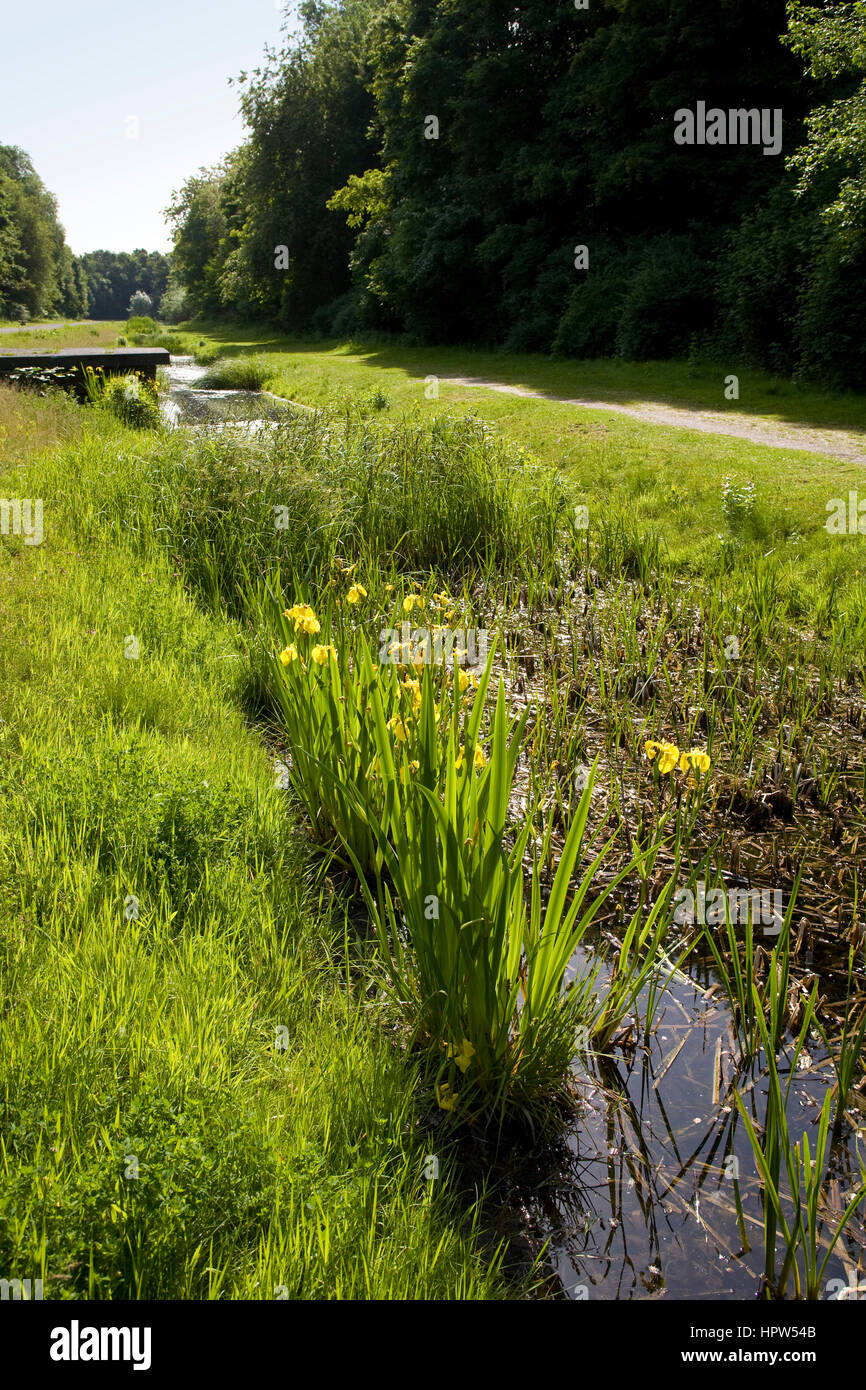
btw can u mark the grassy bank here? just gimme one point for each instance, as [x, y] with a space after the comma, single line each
[674, 618]
[35, 338]
[668, 482]
[315, 371]
[193, 1102]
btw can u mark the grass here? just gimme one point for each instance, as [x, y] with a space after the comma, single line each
[74, 335]
[644, 587]
[196, 1101]
[236, 374]
[312, 370]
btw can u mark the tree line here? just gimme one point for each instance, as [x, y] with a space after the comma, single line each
[39, 275]
[506, 174]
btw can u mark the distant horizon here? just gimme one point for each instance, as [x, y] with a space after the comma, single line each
[115, 123]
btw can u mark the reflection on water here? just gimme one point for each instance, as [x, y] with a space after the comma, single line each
[188, 404]
[644, 1204]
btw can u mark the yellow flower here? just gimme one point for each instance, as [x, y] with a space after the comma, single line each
[695, 758]
[462, 681]
[320, 654]
[409, 603]
[480, 760]
[389, 588]
[415, 688]
[289, 654]
[668, 757]
[303, 617]
[356, 593]
[459, 760]
[413, 767]
[446, 1099]
[400, 727]
[463, 1054]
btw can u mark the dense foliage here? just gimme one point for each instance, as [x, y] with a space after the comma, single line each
[113, 277]
[39, 275]
[38, 272]
[351, 208]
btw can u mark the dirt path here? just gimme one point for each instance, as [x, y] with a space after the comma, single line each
[31, 327]
[840, 444]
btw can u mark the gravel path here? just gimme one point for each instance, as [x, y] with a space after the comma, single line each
[840, 444]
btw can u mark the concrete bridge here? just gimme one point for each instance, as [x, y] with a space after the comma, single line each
[119, 362]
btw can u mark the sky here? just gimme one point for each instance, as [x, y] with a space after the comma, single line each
[117, 104]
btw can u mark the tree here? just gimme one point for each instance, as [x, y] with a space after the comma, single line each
[140, 303]
[832, 44]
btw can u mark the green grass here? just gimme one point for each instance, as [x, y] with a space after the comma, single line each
[196, 1101]
[236, 374]
[715, 615]
[667, 481]
[74, 335]
[314, 369]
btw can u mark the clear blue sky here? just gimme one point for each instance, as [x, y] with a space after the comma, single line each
[76, 76]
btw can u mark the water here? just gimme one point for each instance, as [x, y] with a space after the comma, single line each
[641, 1200]
[188, 404]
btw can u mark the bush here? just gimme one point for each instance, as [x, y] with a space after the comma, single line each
[175, 306]
[131, 399]
[669, 299]
[236, 374]
[140, 303]
[139, 325]
[588, 326]
[833, 320]
[758, 283]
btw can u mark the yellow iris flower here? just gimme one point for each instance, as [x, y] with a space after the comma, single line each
[697, 759]
[463, 1054]
[446, 1099]
[304, 618]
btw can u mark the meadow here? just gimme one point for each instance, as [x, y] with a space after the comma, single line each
[296, 903]
[42, 338]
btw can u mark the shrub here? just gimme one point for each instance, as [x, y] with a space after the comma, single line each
[138, 324]
[140, 303]
[668, 300]
[588, 325]
[236, 374]
[131, 399]
[174, 306]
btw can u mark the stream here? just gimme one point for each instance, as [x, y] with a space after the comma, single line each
[185, 403]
